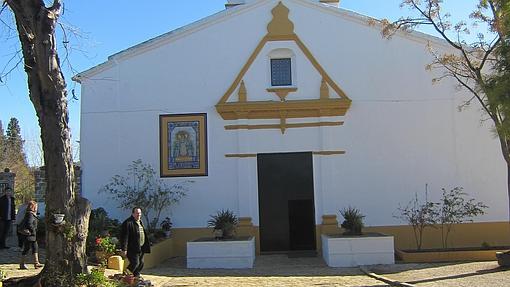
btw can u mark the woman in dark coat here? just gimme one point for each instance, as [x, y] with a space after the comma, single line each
[29, 239]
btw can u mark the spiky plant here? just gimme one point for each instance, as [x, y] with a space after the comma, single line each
[224, 220]
[353, 222]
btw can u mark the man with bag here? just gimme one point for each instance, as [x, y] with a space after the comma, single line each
[7, 215]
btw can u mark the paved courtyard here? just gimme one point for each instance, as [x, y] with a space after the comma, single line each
[279, 270]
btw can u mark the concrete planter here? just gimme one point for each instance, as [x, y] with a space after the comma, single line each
[229, 254]
[350, 251]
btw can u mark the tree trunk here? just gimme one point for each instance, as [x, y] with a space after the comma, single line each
[47, 90]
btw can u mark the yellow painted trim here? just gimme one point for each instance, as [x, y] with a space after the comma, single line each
[246, 155]
[243, 71]
[463, 235]
[324, 90]
[273, 110]
[278, 126]
[160, 252]
[449, 256]
[280, 25]
[281, 92]
[329, 152]
[321, 70]
[241, 155]
[242, 94]
[281, 29]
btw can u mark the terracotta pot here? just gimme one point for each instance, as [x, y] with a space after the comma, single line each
[129, 279]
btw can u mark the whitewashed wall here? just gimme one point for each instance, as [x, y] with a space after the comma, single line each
[400, 133]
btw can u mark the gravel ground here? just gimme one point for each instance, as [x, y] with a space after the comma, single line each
[279, 270]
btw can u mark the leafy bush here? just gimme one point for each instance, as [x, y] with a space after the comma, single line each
[419, 216]
[353, 222]
[142, 187]
[454, 208]
[105, 244]
[95, 278]
[166, 224]
[3, 275]
[224, 220]
[100, 225]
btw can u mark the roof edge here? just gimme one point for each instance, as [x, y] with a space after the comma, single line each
[239, 9]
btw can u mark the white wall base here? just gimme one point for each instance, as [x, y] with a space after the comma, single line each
[356, 251]
[221, 254]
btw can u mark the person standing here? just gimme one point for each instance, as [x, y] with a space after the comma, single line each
[22, 209]
[7, 215]
[134, 241]
[29, 224]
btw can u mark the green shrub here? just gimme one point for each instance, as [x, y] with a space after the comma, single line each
[100, 225]
[353, 222]
[224, 220]
[3, 275]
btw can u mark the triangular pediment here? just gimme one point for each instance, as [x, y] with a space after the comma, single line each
[236, 103]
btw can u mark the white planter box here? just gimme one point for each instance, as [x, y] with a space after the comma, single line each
[231, 254]
[350, 251]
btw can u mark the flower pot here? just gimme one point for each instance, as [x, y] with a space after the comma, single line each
[503, 258]
[58, 218]
[129, 279]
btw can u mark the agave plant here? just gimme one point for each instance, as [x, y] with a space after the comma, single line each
[224, 220]
[353, 222]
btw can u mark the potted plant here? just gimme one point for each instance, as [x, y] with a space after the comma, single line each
[353, 223]
[166, 225]
[226, 221]
[105, 247]
[355, 248]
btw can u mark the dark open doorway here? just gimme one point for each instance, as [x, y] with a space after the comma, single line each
[286, 202]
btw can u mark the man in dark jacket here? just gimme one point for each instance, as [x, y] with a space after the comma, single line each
[7, 215]
[134, 241]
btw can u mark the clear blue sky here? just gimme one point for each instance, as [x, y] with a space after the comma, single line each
[108, 27]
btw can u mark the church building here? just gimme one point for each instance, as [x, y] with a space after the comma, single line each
[286, 112]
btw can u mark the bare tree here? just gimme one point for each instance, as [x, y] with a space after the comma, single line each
[35, 24]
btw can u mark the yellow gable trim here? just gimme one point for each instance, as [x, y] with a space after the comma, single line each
[282, 29]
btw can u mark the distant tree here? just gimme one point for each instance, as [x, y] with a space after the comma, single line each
[480, 66]
[2, 145]
[14, 140]
[36, 22]
[13, 157]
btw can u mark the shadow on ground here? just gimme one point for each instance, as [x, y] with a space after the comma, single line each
[265, 266]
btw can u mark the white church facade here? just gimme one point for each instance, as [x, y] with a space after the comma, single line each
[285, 112]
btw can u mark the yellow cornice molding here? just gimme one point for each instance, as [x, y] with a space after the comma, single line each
[293, 109]
[281, 28]
[287, 126]
[254, 155]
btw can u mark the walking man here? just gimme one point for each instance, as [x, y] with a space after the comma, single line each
[134, 241]
[7, 215]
